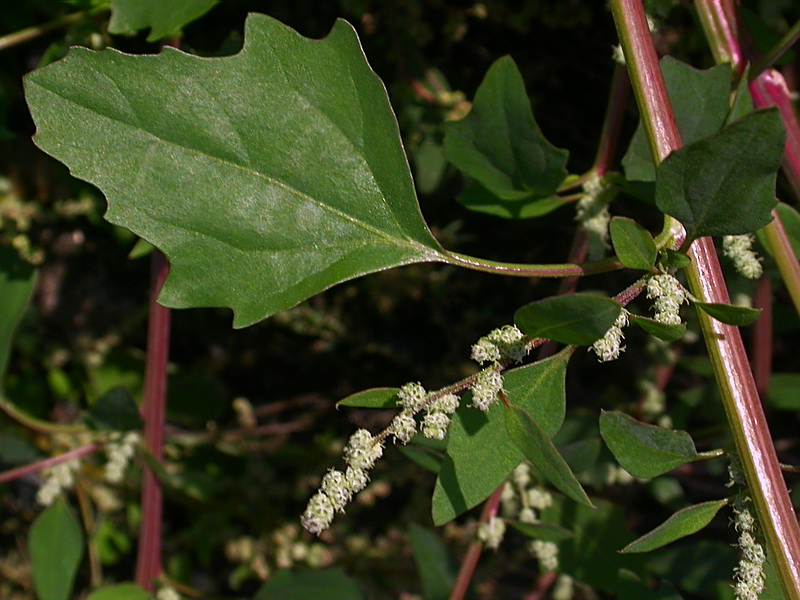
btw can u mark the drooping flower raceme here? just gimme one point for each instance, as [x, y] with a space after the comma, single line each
[60, 477]
[337, 488]
[739, 248]
[609, 346]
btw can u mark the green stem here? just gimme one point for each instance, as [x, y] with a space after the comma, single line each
[31, 33]
[724, 343]
[525, 270]
[36, 424]
[774, 53]
[785, 258]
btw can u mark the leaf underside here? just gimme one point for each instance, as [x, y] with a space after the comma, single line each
[265, 177]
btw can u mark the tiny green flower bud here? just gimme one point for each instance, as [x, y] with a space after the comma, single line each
[319, 513]
[411, 397]
[435, 425]
[491, 533]
[403, 427]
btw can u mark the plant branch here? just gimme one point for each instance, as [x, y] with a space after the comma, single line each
[35, 424]
[148, 560]
[470, 561]
[523, 270]
[31, 33]
[48, 462]
[774, 53]
[731, 366]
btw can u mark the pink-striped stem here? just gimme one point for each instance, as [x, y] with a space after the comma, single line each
[724, 343]
[148, 559]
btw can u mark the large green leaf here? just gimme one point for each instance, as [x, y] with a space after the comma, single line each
[539, 449]
[17, 279]
[56, 546]
[162, 17]
[302, 584]
[265, 177]
[645, 450]
[499, 142]
[573, 319]
[685, 522]
[725, 184]
[700, 101]
[479, 453]
[435, 567]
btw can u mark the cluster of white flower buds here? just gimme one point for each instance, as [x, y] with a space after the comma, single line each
[166, 592]
[362, 451]
[521, 498]
[120, 449]
[592, 214]
[486, 388]
[739, 248]
[503, 345]
[60, 477]
[546, 553]
[749, 574]
[609, 346]
[668, 295]
[492, 532]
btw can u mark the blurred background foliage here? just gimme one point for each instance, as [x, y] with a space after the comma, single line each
[252, 423]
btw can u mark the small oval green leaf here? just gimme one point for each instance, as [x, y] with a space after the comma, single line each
[685, 522]
[56, 546]
[477, 198]
[676, 260]
[578, 319]
[633, 244]
[372, 398]
[729, 314]
[662, 331]
[302, 584]
[435, 565]
[539, 449]
[644, 450]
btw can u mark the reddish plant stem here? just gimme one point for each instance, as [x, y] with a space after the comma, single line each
[48, 462]
[148, 559]
[470, 561]
[726, 350]
[762, 336]
[612, 126]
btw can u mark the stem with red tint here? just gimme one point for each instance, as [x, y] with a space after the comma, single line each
[724, 343]
[148, 559]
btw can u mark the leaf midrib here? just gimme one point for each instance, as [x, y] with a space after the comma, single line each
[292, 190]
